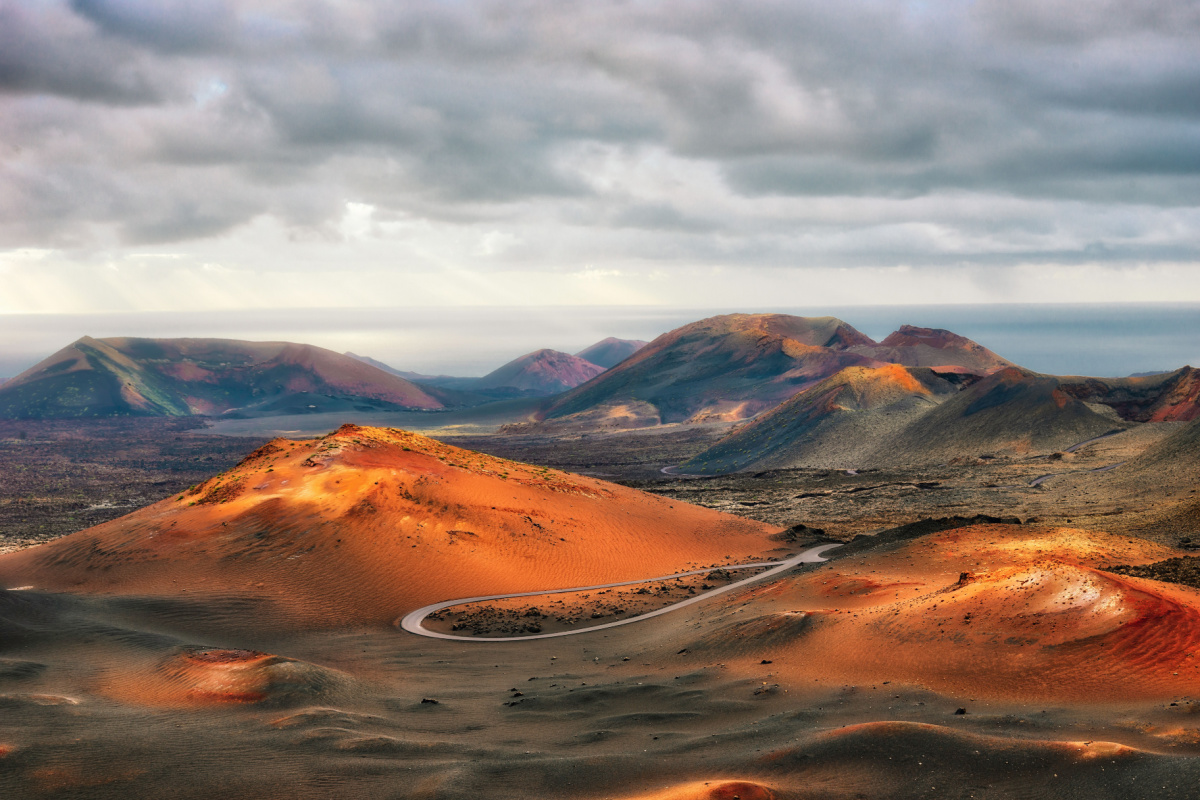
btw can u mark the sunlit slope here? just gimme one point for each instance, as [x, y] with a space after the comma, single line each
[983, 611]
[366, 524]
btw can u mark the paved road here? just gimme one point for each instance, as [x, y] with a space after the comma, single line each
[412, 622]
[1043, 478]
[1086, 442]
[675, 473]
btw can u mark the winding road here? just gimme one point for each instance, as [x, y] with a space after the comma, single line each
[411, 622]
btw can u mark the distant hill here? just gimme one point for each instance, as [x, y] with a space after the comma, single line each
[445, 381]
[447, 389]
[735, 366]
[839, 422]
[894, 415]
[183, 377]
[541, 373]
[408, 376]
[934, 347]
[609, 352]
[1009, 412]
[730, 367]
[1157, 397]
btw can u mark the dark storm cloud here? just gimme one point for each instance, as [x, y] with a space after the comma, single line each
[44, 50]
[168, 26]
[173, 120]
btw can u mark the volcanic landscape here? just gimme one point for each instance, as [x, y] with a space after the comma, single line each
[761, 556]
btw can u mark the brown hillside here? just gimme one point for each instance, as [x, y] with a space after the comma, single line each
[182, 377]
[836, 423]
[934, 347]
[540, 373]
[727, 367]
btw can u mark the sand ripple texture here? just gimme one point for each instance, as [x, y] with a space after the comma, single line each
[989, 610]
[355, 526]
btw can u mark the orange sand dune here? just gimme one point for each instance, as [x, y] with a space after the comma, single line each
[711, 790]
[990, 611]
[365, 524]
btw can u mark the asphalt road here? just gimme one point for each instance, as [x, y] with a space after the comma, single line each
[411, 622]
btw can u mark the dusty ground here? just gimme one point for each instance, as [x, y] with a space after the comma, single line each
[1080, 488]
[57, 477]
[844, 680]
[520, 616]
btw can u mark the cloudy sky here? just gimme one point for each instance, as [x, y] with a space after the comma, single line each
[176, 155]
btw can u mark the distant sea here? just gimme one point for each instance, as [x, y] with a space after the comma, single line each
[1099, 340]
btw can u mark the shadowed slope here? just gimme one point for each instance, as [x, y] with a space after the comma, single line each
[366, 524]
[1166, 397]
[834, 423]
[1176, 456]
[180, 377]
[1010, 411]
[1172, 463]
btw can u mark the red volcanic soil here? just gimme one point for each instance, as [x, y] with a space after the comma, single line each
[365, 524]
[935, 347]
[1166, 397]
[1180, 402]
[987, 611]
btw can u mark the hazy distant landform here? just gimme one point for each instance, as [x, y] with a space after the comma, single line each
[801, 391]
[184, 377]
[1012, 607]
